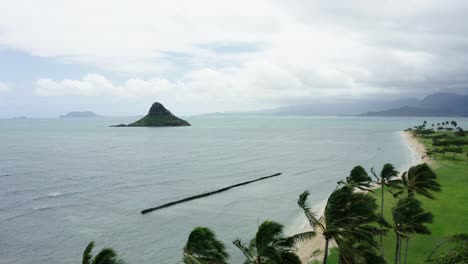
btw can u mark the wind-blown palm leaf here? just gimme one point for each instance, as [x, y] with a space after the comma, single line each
[202, 246]
[87, 256]
[270, 245]
[409, 218]
[421, 179]
[358, 253]
[387, 178]
[245, 250]
[302, 236]
[358, 178]
[348, 218]
[105, 256]
[311, 216]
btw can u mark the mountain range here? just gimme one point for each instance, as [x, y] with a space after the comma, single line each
[437, 104]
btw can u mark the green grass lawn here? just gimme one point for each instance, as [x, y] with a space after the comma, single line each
[450, 209]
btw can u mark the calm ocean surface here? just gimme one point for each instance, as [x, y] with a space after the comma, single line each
[65, 182]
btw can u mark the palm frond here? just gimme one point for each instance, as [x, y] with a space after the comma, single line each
[311, 217]
[302, 236]
[240, 245]
[87, 255]
[106, 256]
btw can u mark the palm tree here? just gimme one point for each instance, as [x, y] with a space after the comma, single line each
[348, 218]
[271, 246]
[358, 178]
[409, 218]
[421, 179]
[203, 248]
[454, 124]
[387, 178]
[105, 256]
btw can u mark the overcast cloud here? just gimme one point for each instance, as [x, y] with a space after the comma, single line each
[234, 55]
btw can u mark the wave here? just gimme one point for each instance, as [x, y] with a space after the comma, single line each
[52, 195]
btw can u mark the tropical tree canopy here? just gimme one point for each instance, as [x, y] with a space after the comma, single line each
[105, 256]
[349, 218]
[421, 179]
[358, 178]
[271, 246]
[410, 218]
[203, 247]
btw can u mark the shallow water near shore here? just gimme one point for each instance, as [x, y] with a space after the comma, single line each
[65, 182]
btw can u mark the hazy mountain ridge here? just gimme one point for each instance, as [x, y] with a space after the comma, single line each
[438, 104]
[79, 114]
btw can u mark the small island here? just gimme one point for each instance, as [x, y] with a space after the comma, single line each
[158, 116]
[79, 114]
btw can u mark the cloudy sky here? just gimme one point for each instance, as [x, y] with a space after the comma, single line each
[116, 57]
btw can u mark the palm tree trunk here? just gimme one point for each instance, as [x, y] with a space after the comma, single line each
[397, 248]
[406, 248]
[325, 254]
[381, 216]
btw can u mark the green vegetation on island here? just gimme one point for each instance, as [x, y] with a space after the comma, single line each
[421, 217]
[158, 116]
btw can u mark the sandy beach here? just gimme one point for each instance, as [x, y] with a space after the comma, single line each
[312, 249]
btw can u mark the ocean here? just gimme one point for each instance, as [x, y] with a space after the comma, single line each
[66, 182]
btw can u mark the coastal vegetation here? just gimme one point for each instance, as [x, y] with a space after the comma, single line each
[420, 217]
[270, 245]
[105, 256]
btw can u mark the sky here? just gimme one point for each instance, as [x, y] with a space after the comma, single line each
[116, 57]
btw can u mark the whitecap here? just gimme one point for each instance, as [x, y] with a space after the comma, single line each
[54, 194]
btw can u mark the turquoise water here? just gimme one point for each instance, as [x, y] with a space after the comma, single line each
[65, 182]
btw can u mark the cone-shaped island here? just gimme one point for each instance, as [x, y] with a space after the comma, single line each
[158, 116]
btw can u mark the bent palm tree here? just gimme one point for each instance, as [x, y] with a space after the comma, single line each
[203, 248]
[105, 256]
[421, 179]
[348, 216]
[409, 218]
[358, 178]
[271, 246]
[387, 178]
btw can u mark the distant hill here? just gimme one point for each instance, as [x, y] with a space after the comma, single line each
[79, 114]
[158, 116]
[438, 104]
[341, 107]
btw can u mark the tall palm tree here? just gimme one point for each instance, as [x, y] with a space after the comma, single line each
[358, 178]
[421, 179]
[105, 256]
[203, 248]
[271, 246]
[409, 218]
[387, 178]
[348, 218]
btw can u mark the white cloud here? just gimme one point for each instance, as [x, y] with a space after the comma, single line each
[98, 85]
[4, 87]
[299, 49]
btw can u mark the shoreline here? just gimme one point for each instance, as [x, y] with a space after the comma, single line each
[312, 250]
